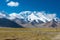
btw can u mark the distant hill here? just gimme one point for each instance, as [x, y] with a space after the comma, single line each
[8, 23]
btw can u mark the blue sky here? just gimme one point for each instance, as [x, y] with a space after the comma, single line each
[50, 6]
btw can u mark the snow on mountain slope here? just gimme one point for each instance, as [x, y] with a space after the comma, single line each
[30, 16]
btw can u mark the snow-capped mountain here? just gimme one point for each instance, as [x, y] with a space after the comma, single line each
[37, 16]
[31, 19]
[29, 16]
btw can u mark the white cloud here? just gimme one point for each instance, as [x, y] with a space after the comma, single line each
[2, 15]
[13, 4]
[50, 16]
[13, 16]
[46, 16]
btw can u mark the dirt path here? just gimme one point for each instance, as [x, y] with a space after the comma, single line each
[57, 37]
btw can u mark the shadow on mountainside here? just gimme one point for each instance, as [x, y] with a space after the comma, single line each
[8, 23]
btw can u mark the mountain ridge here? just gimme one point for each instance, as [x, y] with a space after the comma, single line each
[32, 19]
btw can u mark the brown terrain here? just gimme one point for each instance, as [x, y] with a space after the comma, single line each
[29, 34]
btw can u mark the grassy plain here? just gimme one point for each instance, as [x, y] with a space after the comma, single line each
[28, 33]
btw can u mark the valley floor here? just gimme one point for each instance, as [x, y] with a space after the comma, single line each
[29, 33]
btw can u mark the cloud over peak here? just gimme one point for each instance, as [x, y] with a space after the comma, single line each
[13, 4]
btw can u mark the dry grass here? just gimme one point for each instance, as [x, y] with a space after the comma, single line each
[28, 33]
